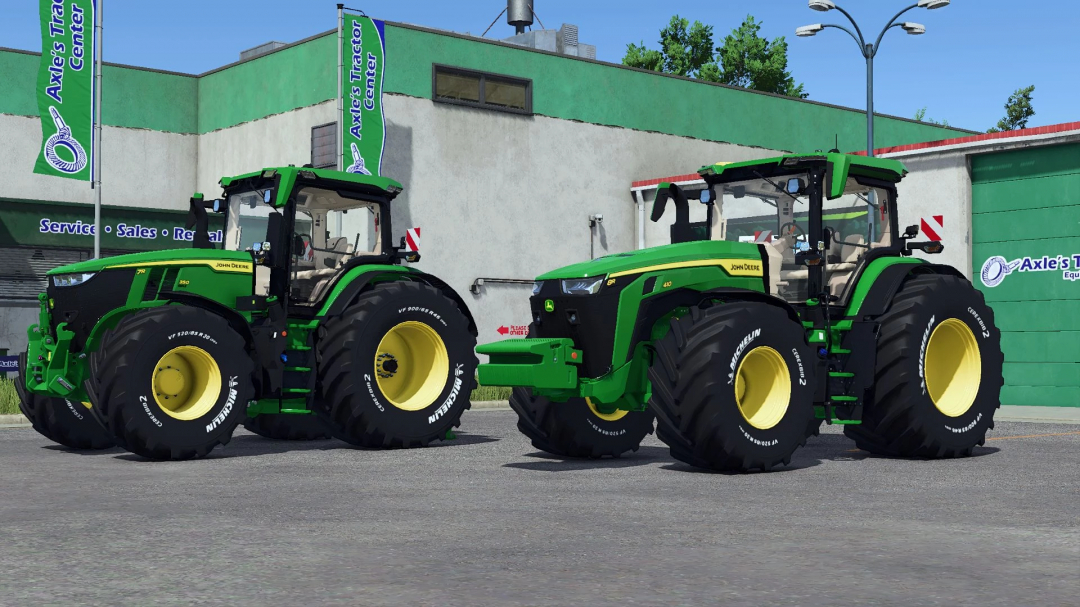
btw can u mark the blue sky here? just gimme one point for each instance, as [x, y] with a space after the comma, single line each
[974, 54]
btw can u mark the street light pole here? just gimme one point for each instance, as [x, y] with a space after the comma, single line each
[867, 49]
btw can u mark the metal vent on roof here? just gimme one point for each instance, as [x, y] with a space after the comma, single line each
[262, 49]
[568, 34]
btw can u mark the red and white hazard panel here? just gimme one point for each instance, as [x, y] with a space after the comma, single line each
[412, 240]
[763, 236]
[932, 227]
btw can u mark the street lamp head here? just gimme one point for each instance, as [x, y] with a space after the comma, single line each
[932, 4]
[826, 5]
[913, 28]
[809, 30]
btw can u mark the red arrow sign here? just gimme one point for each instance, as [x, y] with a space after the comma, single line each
[503, 330]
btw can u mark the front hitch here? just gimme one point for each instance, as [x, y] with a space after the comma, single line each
[544, 364]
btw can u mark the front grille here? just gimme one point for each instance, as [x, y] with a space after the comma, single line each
[83, 305]
[594, 331]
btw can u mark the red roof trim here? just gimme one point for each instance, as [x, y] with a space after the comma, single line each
[1039, 130]
[675, 179]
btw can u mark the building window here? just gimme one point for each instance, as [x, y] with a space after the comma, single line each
[481, 89]
[324, 150]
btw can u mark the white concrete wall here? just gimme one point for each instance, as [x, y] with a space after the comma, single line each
[939, 184]
[139, 167]
[495, 195]
[15, 318]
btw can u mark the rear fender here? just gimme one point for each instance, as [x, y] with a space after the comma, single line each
[885, 276]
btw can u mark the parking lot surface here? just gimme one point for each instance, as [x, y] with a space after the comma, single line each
[488, 520]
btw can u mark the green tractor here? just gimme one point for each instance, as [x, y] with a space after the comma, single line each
[282, 320]
[795, 302]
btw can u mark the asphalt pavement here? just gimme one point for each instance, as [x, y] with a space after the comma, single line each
[488, 520]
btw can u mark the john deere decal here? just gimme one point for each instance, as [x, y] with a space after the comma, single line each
[65, 90]
[363, 128]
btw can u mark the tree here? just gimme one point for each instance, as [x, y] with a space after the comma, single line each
[685, 50]
[920, 115]
[745, 59]
[1017, 111]
[750, 61]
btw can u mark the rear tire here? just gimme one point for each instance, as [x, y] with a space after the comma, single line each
[733, 387]
[396, 368]
[574, 429]
[172, 382]
[62, 421]
[288, 426]
[938, 373]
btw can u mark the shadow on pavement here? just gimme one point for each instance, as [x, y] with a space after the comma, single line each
[63, 449]
[555, 463]
[253, 445]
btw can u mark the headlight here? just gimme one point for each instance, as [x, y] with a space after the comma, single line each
[537, 286]
[582, 286]
[70, 280]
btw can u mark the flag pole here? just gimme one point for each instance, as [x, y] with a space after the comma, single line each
[340, 92]
[99, 18]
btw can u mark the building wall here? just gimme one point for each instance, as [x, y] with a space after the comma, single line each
[939, 184]
[140, 167]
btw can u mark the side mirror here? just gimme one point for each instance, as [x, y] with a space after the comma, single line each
[298, 245]
[796, 185]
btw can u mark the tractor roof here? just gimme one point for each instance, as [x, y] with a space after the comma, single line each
[371, 184]
[838, 168]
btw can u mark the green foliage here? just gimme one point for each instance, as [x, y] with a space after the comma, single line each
[920, 115]
[9, 398]
[1017, 111]
[745, 59]
[750, 61]
[486, 393]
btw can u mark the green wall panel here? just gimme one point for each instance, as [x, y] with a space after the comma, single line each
[1023, 194]
[1059, 315]
[1040, 347]
[1026, 163]
[291, 78]
[1040, 396]
[1028, 225]
[603, 94]
[129, 97]
[1042, 374]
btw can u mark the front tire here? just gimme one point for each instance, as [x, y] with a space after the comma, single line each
[62, 421]
[938, 373]
[172, 382]
[577, 428]
[733, 387]
[396, 369]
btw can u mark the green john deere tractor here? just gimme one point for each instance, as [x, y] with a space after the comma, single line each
[795, 302]
[283, 321]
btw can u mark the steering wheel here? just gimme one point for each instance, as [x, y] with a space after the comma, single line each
[795, 229]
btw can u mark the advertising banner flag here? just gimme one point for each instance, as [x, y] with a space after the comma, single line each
[363, 128]
[65, 88]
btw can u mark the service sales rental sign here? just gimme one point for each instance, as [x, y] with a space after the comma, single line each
[363, 131]
[65, 89]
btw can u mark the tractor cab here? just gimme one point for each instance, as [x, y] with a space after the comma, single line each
[813, 231]
[304, 227]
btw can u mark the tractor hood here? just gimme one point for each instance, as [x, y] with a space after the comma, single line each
[211, 257]
[699, 253]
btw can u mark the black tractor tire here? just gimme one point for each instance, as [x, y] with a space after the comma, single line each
[403, 392]
[698, 372]
[60, 420]
[573, 429]
[287, 426]
[900, 418]
[213, 362]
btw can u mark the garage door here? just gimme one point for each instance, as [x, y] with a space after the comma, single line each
[1026, 260]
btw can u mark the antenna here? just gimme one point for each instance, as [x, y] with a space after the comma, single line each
[836, 145]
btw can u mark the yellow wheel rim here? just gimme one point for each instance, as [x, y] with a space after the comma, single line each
[953, 367]
[411, 366]
[608, 417]
[763, 387]
[187, 382]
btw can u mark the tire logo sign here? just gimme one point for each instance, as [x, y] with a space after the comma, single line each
[995, 270]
